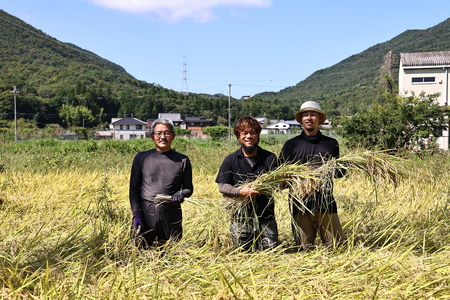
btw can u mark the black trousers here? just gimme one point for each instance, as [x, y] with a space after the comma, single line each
[162, 221]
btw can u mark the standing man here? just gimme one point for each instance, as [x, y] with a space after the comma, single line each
[320, 214]
[255, 224]
[156, 172]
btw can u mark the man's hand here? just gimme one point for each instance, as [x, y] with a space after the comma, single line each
[247, 191]
[137, 219]
[178, 197]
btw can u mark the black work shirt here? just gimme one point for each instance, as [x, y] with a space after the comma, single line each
[235, 170]
[304, 148]
[154, 172]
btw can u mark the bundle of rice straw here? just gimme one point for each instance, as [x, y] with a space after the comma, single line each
[305, 179]
[378, 166]
[301, 179]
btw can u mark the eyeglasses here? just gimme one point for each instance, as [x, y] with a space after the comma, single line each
[160, 134]
[251, 132]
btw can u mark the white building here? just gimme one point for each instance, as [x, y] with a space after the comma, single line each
[128, 128]
[283, 127]
[426, 72]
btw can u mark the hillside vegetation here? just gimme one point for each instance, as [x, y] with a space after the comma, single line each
[354, 83]
[49, 74]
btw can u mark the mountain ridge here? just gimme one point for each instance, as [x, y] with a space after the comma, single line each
[50, 73]
[363, 71]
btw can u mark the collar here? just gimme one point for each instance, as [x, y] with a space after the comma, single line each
[311, 138]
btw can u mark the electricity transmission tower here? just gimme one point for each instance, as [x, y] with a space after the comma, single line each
[184, 85]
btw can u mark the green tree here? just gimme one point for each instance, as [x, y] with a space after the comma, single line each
[216, 132]
[75, 115]
[400, 122]
[182, 132]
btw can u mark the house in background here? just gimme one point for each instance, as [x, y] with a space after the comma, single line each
[426, 72]
[196, 125]
[104, 135]
[282, 127]
[127, 128]
[174, 117]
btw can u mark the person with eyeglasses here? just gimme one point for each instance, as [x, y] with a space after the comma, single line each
[254, 226]
[160, 180]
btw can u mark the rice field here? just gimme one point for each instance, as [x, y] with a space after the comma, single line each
[65, 233]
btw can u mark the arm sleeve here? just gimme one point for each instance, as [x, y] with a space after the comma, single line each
[228, 190]
[135, 185]
[340, 172]
[284, 155]
[188, 187]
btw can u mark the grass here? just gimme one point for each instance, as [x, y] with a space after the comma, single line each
[65, 234]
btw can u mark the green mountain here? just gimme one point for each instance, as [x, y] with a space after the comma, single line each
[57, 79]
[51, 74]
[354, 83]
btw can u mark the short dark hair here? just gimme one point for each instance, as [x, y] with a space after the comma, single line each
[244, 122]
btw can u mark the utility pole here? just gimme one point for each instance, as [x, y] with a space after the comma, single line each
[15, 91]
[229, 110]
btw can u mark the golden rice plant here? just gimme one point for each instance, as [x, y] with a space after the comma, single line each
[301, 179]
[304, 179]
[376, 165]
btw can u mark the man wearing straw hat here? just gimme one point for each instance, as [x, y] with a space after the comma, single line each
[252, 225]
[160, 180]
[317, 212]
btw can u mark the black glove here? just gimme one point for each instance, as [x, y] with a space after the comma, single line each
[137, 219]
[178, 197]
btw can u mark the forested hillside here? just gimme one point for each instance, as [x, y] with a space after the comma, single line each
[354, 83]
[58, 79]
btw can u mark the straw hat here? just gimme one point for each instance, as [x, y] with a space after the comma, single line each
[310, 106]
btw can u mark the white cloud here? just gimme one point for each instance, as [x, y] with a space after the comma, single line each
[175, 10]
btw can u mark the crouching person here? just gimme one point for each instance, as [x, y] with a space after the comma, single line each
[160, 180]
[253, 225]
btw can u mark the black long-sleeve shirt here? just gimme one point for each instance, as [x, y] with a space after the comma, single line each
[236, 169]
[314, 149]
[154, 172]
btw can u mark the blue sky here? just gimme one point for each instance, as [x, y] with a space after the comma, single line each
[254, 45]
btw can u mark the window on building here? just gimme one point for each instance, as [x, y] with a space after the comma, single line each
[121, 137]
[138, 127]
[423, 80]
[128, 127]
[133, 136]
[121, 127]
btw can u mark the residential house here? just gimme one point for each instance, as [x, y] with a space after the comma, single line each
[174, 117]
[282, 127]
[104, 135]
[128, 128]
[426, 72]
[196, 125]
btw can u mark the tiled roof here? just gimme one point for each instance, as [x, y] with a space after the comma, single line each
[423, 59]
[196, 118]
[129, 121]
[175, 117]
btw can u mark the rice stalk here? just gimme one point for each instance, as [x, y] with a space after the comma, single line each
[304, 180]
[301, 179]
[378, 166]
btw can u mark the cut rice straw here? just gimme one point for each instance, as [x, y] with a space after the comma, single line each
[378, 166]
[304, 179]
